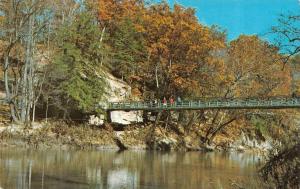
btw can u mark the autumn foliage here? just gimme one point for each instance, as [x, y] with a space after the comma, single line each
[255, 68]
[177, 55]
[164, 51]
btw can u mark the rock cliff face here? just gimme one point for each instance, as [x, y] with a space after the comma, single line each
[245, 141]
[126, 118]
[120, 91]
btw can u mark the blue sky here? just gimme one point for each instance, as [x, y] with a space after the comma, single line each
[241, 16]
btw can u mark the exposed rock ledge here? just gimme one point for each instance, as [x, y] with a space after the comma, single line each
[120, 91]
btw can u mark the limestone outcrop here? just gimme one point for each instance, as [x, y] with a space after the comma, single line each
[119, 91]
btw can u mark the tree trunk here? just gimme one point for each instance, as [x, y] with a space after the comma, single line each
[24, 94]
[101, 39]
[102, 35]
[156, 76]
[6, 77]
[33, 113]
[157, 118]
[190, 123]
[211, 126]
[195, 116]
[167, 121]
[27, 87]
[47, 106]
[214, 133]
[7, 89]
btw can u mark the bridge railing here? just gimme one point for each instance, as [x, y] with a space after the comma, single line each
[234, 103]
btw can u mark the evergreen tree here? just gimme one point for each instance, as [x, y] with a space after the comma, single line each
[128, 50]
[77, 77]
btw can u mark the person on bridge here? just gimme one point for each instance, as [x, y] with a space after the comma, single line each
[155, 102]
[164, 101]
[171, 101]
[178, 100]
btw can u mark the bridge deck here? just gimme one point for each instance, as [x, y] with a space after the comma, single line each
[276, 103]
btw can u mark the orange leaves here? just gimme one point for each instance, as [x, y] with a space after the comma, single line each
[254, 64]
[2, 18]
[183, 55]
[107, 8]
[180, 46]
[139, 28]
[179, 81]
[180, 51]
[185, 85]
[114, 10]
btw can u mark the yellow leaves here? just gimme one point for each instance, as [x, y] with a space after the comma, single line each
[255, 64]
[107, 8]
[179, 81]
[2, 19]
[135, 78]
[189, 55]
[185, 84]
[139, 28]
[117, 10]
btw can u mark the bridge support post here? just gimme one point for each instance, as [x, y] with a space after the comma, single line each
[108, 118]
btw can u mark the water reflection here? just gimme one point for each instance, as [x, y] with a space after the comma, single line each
[29, 169]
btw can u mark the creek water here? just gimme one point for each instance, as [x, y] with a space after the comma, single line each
[34, 169]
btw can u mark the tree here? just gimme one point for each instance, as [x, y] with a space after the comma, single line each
[23, 28]
[179, 49]
[128, 50]
[282, 168]
[251, 70]
[295, 68]
[255, 70]
[64, 11]
[111, 12]
[77, 75]
[287, 34]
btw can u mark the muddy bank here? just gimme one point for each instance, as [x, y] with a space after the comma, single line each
[136, 137]
[56, 135]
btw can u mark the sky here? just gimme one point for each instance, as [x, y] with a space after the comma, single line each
[241, 16]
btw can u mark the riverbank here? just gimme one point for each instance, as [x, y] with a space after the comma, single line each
[55, 135]
[60, 135]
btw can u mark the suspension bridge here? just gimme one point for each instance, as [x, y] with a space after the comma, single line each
[270, 103]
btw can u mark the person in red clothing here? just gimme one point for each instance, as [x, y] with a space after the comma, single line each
[164, 101]
[172, 101]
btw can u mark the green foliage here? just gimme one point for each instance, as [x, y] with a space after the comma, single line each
[128, 49]
[260, 124]
[78, 65]
[267, 126]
